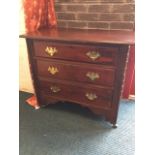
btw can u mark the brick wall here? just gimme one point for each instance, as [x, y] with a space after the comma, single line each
[100, 14]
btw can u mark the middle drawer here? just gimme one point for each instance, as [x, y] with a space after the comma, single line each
[80, 72]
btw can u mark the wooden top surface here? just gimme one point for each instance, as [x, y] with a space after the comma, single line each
[83, 35]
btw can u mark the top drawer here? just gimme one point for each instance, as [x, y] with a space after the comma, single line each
[85, 53]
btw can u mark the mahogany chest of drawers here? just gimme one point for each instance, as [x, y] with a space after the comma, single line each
[80, 66]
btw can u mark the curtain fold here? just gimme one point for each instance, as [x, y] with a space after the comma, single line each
[39, 14]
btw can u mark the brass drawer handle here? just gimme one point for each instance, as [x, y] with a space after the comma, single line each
[55, 89]
[91, 96]
[93, 55]
[53, 70]
[51, 50]
[92, 76]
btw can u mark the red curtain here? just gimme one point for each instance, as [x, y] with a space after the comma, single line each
[39, 14]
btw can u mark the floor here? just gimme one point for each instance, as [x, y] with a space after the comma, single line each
[68, 129]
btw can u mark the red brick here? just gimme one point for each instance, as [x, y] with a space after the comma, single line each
[88, 16]
[102, 14]
[111, 17]
[129, 17]
[101, 8]
[122, 25]
[130, 1]
[77, 24]
[62, 1]
[113, 1]
[123, 8]
[90, 1]
[66, 16]
[101, 25]
[77, 8]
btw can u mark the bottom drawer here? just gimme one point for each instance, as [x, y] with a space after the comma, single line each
[94, 96]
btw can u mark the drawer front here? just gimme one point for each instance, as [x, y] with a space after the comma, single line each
[81, 72]
[93, 54]
[86, 95]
